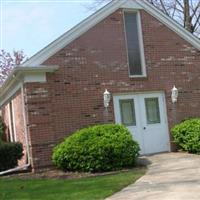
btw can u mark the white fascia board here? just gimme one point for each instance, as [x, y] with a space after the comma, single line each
[74, 33]
[131, 5]
[170, 23]
[40, 68]
[9, 93]
[22, 75]
[35, 77]
[17, 71]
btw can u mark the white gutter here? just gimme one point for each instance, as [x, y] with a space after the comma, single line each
[12, 79]
[18, 74]
[22, 70]
[24, 167]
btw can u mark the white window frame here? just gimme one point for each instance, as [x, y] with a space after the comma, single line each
[141, 43]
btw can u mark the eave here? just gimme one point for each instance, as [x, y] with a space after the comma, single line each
[21, 75]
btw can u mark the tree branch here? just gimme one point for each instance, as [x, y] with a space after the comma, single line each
[196, 8]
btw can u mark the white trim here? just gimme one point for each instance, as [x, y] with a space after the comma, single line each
[138, 76]
[25, 124]
[91, 21]
[22, 75]
[138, 92]
[4, 97]
[19, 71]
[131, 5]
[10, 124]
[11, 118]
[24, 167]
[13, 121]
[35, 78]
[141, 45]
[137, 130]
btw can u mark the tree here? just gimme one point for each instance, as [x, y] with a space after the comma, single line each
[8, 62]
[185, 12]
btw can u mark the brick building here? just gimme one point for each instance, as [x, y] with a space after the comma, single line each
[129, 48]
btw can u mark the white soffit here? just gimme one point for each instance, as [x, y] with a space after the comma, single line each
[97, 17]
[21, 75]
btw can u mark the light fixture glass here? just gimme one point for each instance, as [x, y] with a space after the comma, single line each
[106, 98]
[174, 94]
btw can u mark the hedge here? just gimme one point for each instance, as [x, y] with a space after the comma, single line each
[96, 149]
[187, 135]
[10, 153]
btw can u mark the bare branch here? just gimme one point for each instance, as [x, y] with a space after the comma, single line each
[8, 62]
[185, 12]
[197, 22]
[163, 7]
[195, 9]
[178, 2]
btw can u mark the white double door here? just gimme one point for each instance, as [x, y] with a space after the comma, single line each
[145, 117]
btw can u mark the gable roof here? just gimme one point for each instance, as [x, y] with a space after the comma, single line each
[91, 21]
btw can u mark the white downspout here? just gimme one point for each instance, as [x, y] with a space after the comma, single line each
[24, 167]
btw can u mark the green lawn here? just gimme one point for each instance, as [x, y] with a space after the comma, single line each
[93, 188]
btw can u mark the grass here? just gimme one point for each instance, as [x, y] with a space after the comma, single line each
[93, 188]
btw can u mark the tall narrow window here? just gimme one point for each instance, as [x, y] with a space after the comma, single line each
[133, 43]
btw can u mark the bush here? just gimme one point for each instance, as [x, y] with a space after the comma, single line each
[98, 148]
[10, 153]
[187, 135]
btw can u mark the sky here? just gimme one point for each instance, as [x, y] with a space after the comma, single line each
[30, 25]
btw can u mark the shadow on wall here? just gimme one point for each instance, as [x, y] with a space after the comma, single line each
[2, 129]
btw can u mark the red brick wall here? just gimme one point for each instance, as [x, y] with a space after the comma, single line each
[19, 122]
[73, 96]
[40, 122]
[5, 117]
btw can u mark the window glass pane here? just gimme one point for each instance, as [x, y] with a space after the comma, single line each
[127, 112]
[133, 46]
[152, 110]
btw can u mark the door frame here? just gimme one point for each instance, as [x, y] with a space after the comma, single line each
[116, 97]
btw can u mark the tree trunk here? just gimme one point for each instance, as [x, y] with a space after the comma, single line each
[187, 17]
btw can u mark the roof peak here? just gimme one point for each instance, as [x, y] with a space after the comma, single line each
[101, 14]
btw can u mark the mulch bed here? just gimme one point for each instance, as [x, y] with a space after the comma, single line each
[53, 173]
[58, 174]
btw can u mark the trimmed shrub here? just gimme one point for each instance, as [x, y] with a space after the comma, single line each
[10, 153]
[96, 149]
[187, 135]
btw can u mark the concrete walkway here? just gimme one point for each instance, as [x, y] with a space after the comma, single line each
[171, 176]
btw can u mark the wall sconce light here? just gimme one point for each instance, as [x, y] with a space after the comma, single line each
[174, 94]
[106, 98]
